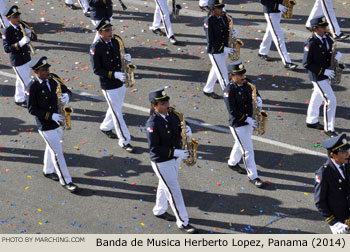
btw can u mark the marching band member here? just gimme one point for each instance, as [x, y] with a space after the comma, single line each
[273, 12]
[17, 46]
[332, 185]
[217, 28]
[317, 60]
[43, 104]
[3, 20]
[100, 9]
[325, 8]
[165, 142]
[238, 100]
[162, 14]
[106, 62]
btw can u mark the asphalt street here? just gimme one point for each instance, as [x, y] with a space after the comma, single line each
[117, 189]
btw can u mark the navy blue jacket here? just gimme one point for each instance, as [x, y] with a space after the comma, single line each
[239, 103]
[163, 137]
[332, 193]
[316, 57]
[105, 62]
[100, 9]
[18, 55]
[42, 103]
[217, 32]
[271, 6]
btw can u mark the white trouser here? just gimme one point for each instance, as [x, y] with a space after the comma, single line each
[218, 71]
[244, 146]
[203, 3]
[84, 5]
[114, 116]
[68, 1]
[162, 14]
[97, 36]
[169, 191]
[22, 80]
[275, 33]
[325, 8]
[322, 92]
[53, 158]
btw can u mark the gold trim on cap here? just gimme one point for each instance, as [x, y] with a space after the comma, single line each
[164, 96]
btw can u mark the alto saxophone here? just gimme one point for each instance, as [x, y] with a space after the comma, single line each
[233, 42]
[290, 5]
[63, 110]
[336, 66]
[22, 26]
[258, 114]
[127, 67]
[188, 143]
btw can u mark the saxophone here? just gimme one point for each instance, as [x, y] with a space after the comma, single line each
[63, 110]
[233, 42]
[22, 26]
[336, 66]
[127, 67]
[289, 4]
[188, 143]
[258, 114]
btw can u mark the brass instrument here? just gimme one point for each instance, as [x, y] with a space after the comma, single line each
[127, 67]
[188, 143]
[289, 4]
[175, 8]
[336, 66]
[63, 110]
[258, 114]
[233, 42]
[22, 26]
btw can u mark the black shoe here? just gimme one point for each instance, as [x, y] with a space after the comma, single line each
[173, 40]
[204, 8]
[257, 182]
[166, 216]
[159, 32]
[315, 126]
[110, 134]
[264, 57]
[87, 14]
[189, 229]
[70, 187]
[341, 36]
[52, 176]
[290, 66]
[128, 148]
[212, 95]
[331, 133]
[72, 6]
[308, 28]
[237, 168]
[21, 104]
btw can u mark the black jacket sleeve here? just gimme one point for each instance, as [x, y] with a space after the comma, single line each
[231, 106]
[33, 106]
[308, 61]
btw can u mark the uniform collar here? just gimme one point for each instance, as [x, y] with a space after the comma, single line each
[319, 37]
[14, 26]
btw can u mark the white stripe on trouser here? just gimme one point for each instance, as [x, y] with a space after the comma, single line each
[218, 71]
[53, 158]
[114, 116]
[4, 22]
[325, 8]
[97, 36]
[244, 146]
[162, 14]
[169, 191]
[22, 80]
[275, 33]
[322, 92]
[203, 3]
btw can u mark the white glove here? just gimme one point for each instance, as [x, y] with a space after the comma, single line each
[183, 154]
[65, 98]
[282, 8]
[329, 73]
[120, 75]
[235, 33]
[24, 41]
[57, 118]
[28, 32]
[251, 122]
[127, 57]
[339, 228]
[228, 50]
[259, 101]
[188, 131]
[338, 56]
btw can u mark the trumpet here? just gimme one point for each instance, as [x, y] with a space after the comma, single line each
[22, 26]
